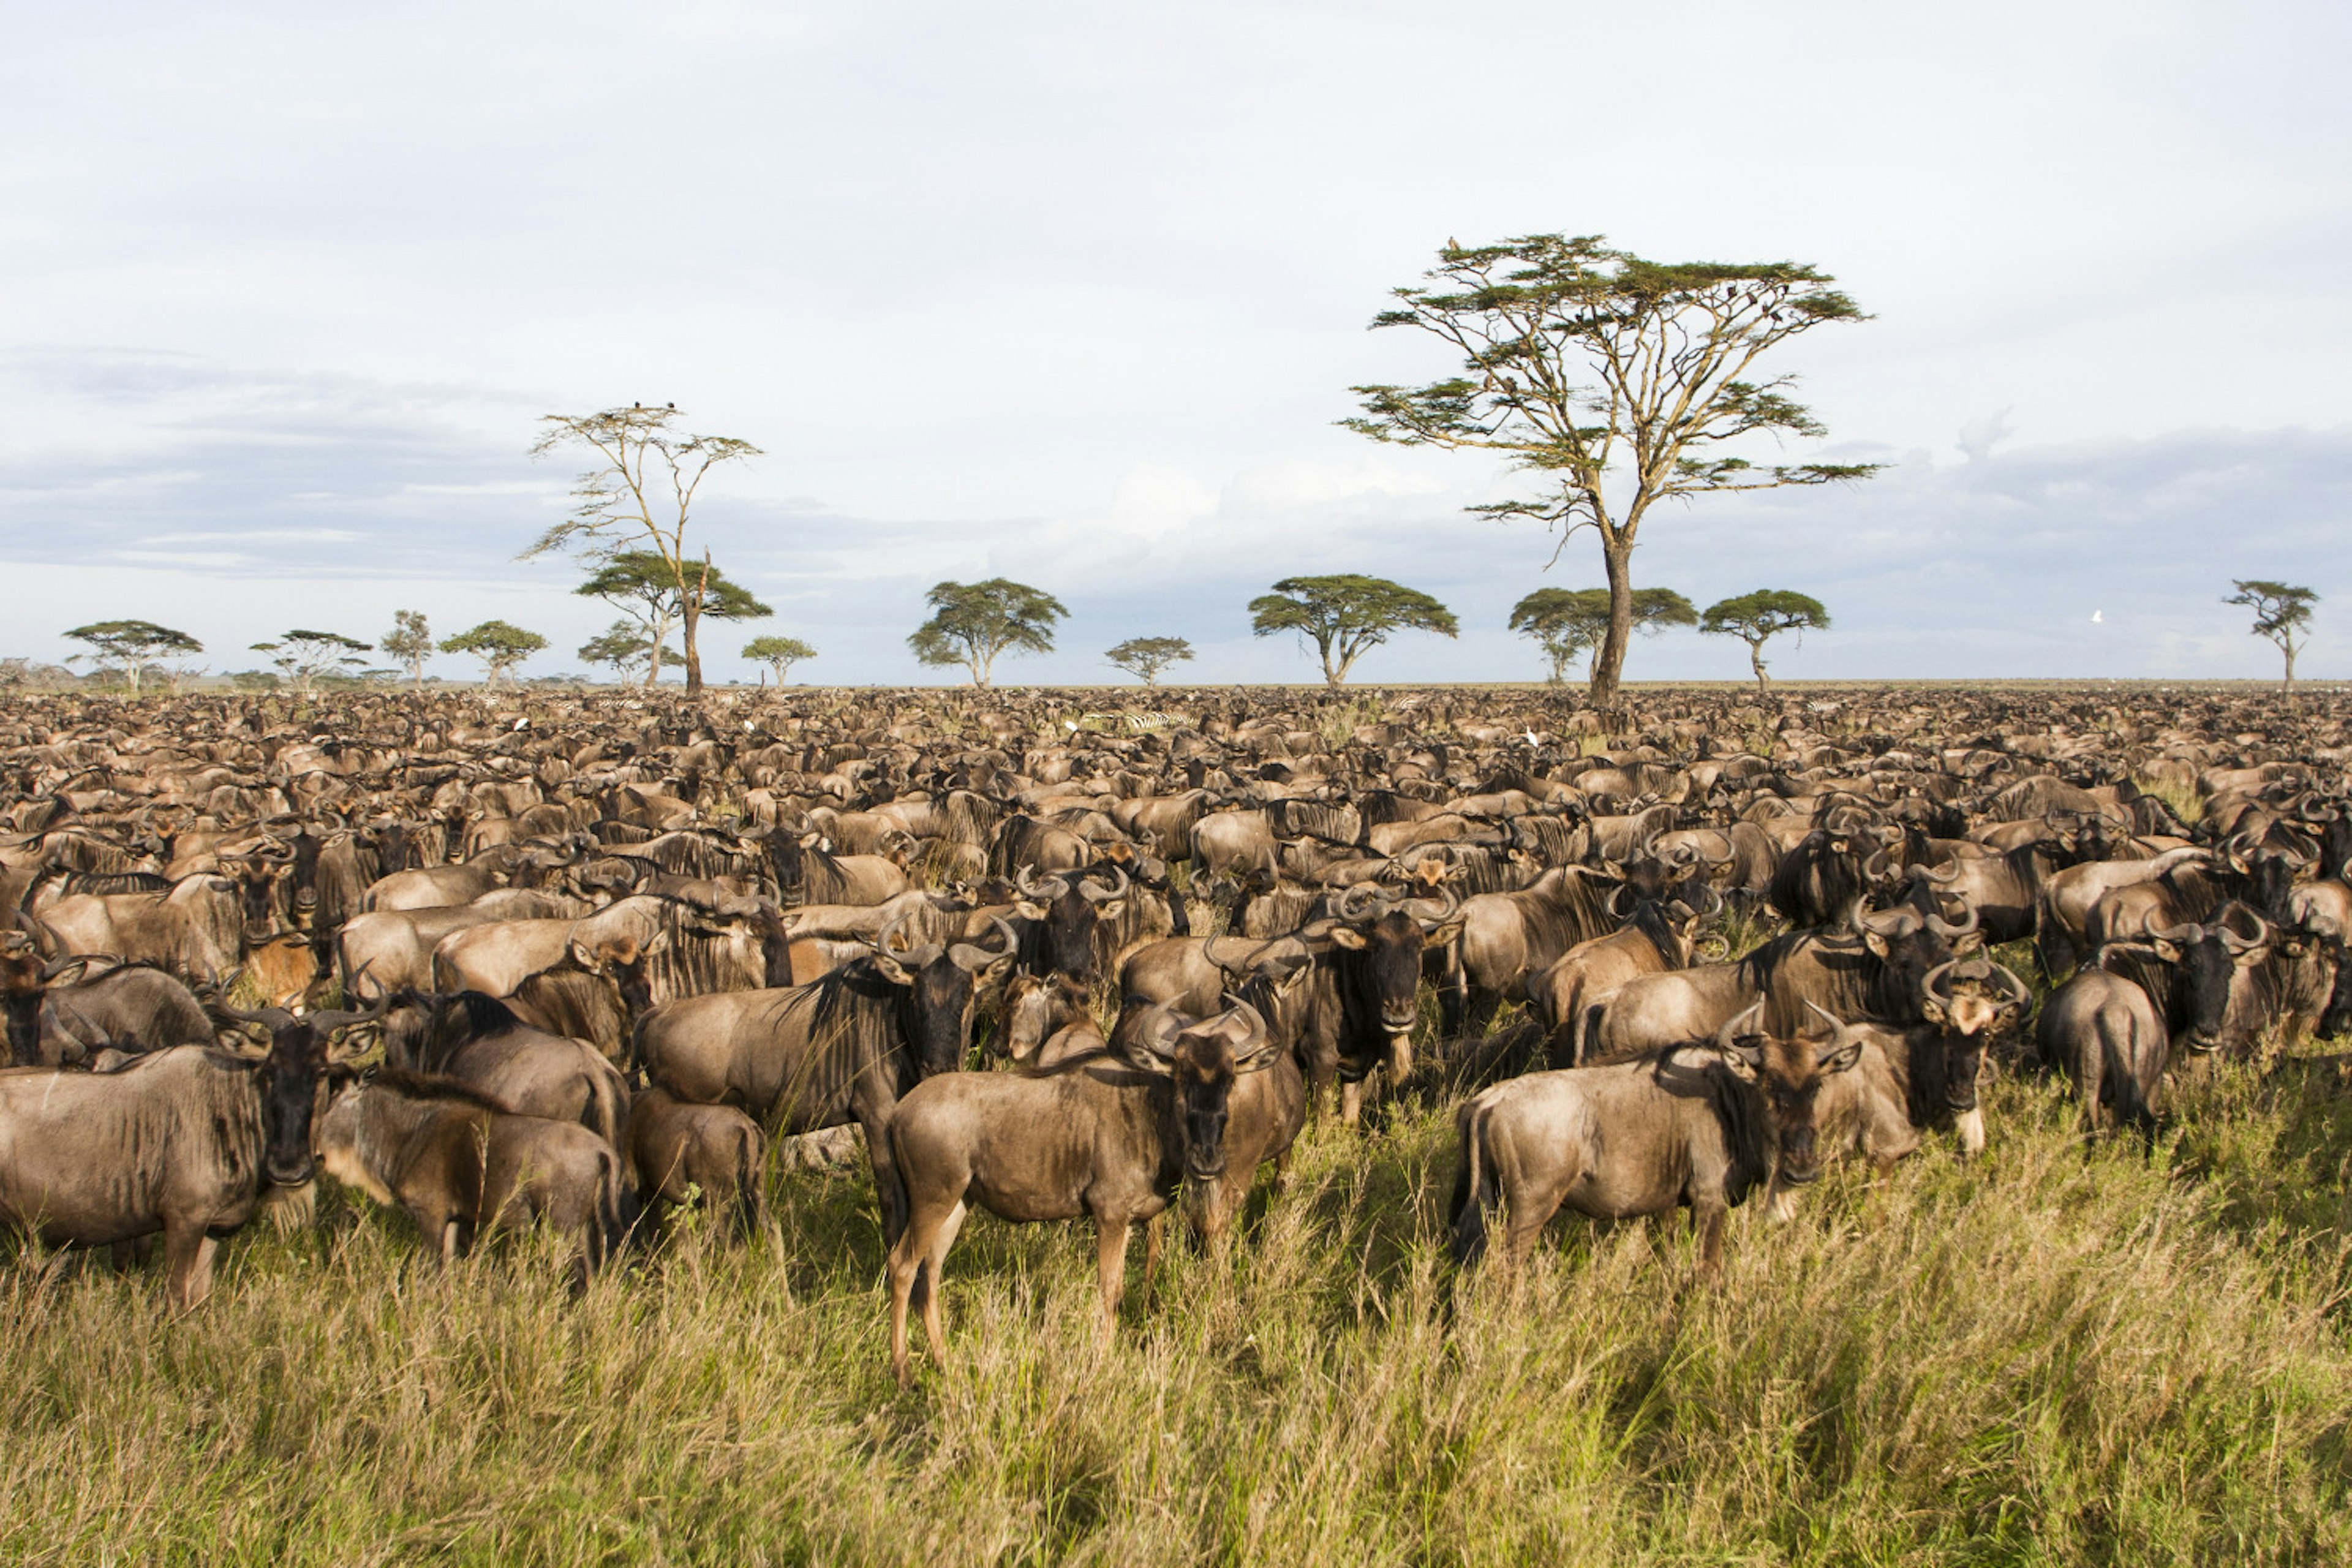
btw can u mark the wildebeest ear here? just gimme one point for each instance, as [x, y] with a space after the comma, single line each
[2164, 950]
[1347, 937]
[1745, 1057]
[1931, 1010]
[995, 971]
[1875, 944]
[1110, 909]
[891, 970]
[1443, 935]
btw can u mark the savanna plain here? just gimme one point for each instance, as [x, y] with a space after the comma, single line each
[2067, 1349]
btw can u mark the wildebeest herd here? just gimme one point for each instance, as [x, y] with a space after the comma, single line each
[578, 959]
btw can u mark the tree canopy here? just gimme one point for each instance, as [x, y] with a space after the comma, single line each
[778, 653]
[1145, 658]
[972, 624]
[1758, 617]
[641, 491]
[129, 646]
[623, 644]
[409, 641]
[640, 584]
[1567, 622]
[303, 657]
[500, 646]
[1618, 381]
[1347, 615]
[2281, 613]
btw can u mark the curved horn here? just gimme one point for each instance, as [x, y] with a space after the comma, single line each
[1950, 930]
[1937, 983]
[2018, 992]
[1738, 1025]
[1365, 900]
[1943, 875]
[1086, 885]
[1620, 891]
[2237, 944]
[971, 958]
[1840, 1032]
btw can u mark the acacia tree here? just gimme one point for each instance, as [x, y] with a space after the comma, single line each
[1346, 615]
[129, 646]
[623, 644]
[1621, 381]
[973, 623]
[779, 654]
[409, 641]
[1566, 622]
[639, 585]
[642, 492]
[1145, 658]
[499, 647]
[1756, 618]
[2282, 613]
[303, 657]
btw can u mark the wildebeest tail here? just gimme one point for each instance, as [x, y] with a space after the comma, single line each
[1473, 1179]
[2132, 1109]
[606, 1114]
[1587, 1033]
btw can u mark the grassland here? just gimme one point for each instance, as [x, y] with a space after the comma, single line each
[2054, 1353]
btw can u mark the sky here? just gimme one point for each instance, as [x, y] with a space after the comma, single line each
[1074, 293]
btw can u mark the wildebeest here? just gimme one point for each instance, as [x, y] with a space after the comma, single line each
[675, 1148]
[1657, 937]
[460, 1163]
[183, 1142]
[1696, 1125]
[1108, 1135]
[195, 928]
[802, 1058]
[478, 1041]
[1508, 939]
[1937, 1064]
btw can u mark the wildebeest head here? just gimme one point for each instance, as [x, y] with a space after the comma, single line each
[2206, 958]
[1967, 1000]
[2269, 870]
[937, 982]
[24, 974]
[1202, 1059]
[788, 856]
[1065, 910]
[1788, 1077]
[1387, 936]
[1036, 1005]
[1910, 945]
[300, 1049]
[264, 880]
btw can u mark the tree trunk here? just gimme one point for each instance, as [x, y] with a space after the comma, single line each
[1609, 661]
[1756, 663]
[2289, 683]
[692, 617]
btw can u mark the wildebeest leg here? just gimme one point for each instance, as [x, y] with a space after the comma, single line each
[889, 1192]
[1351, 1102]
[1708, 1212]
[934, 1259]
[923, 1242]
[1152, 1248]
[1453, 993]
[188, 1259]
[1110, 1270]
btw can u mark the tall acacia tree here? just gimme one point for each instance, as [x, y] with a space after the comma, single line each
[1347, 615]
[1756, 618]
[640, 492]
[1145, 658]
[639, 583]
[499, 645]
[2282, 613]
[975, 623]
[304, 656]
[409, 641]
[1621, 381]
[1567, 622]
[131, 646]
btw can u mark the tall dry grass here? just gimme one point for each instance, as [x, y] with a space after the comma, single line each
[2053, 1354]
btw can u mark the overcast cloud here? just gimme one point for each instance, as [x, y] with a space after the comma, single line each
[1075, 293]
